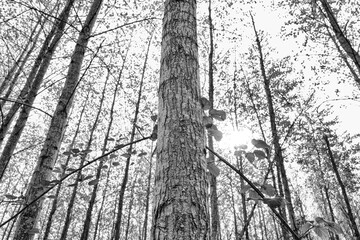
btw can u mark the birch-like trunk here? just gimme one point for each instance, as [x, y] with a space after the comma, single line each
[28, 219]
[180, 204]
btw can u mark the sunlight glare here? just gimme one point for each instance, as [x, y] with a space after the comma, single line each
[233, 138]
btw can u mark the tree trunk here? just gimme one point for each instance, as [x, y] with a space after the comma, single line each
[147, 200]
[343, 191]
[87, 220]
[42, 61]
[278, 151]
[180, 204]
[50, 150]
[54, 204]
[214, 209]
[10, 79]
[343, 40]
[132, 136]
[107, 135]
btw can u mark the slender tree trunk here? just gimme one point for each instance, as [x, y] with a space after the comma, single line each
[20, 69]
[31, 94]
[236, 227]
[107, 135]
[180, 204]
[343, 56]
[243, 197]
[50, 150]
[147, 200]
[214, 211]
[55, 201]
[278, 151]
[343, 40]
[10, 79]
[42, 61]
[132, 136]
[87, 221]
[131, 204]
[343, 191]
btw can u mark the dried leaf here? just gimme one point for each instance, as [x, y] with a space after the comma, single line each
[205, 104]
[208, 121]
[67, 153]
[304, 228]
[260, 144]
[75, 150]
[153, 118]
[33, 231]
[250, 156]
[259, 154]
[126, 155]
[213, 169]
[142, 154]
[218, 114]
[93, 182]
[10, 196]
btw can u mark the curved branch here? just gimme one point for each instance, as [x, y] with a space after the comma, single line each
[14, 101]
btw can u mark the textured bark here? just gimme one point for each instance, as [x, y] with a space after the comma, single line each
[214, 209]
[343, 56]
[147, 201]
[50, 150]
[275, 137]
[54, 203]
[180, 204]
[42, 61]
[343, 191]
[132, 136]
[343, 40]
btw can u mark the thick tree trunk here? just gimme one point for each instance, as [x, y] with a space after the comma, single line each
[180, 204]
[343, 191]
[50, 150]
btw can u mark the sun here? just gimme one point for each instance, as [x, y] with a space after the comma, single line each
[234, 138]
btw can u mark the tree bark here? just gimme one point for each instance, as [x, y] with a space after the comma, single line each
[132, 136]
[10, 79]
[278, 151]
[50, 150]
[214, 209]
[87, 220]
[180, 204]
[343, 191]
[36, 74]
[54, 204]
[343, 40]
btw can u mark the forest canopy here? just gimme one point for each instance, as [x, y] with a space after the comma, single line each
[179, 119]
